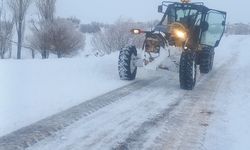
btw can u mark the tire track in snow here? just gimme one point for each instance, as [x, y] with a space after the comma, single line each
[183, 124]
[195, 114]
[28, 136]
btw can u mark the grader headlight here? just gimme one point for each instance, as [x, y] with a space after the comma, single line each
[136, 31]
[182, 35]
[179, 32]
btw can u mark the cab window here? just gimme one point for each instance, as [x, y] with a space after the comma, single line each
[216, 26]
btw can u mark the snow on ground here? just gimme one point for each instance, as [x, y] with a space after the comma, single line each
[230, 123]
[111, 125]
[34, 89]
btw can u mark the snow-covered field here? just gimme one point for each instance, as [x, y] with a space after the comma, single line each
[34, 89]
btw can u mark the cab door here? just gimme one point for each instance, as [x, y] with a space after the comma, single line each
[215, 22]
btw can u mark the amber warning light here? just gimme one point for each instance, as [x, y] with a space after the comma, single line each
[185, 1]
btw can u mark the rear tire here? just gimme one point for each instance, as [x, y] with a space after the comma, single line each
[212, 59]
[127, 63]
[187, 70]
[206, 61]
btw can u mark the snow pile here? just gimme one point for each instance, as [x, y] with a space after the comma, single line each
[167, 60]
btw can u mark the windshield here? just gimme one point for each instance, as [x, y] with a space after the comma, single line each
[185, 13]
[188, 16]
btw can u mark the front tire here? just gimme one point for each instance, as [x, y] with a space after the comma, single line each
[127, 63]
[187, 70]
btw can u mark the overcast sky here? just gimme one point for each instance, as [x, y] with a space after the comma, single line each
[141, 10]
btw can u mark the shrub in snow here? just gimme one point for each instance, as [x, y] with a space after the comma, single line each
[60, 37]
[66, 39]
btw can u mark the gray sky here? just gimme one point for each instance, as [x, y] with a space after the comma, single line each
[141, 10]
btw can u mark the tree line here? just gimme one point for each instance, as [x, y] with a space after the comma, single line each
[238, 29]
[65, 37]
[49, 34]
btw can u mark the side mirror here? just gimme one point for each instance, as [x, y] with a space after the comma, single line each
[160, 9]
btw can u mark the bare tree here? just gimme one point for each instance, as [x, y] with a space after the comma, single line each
[75, 21]
[47, 9]
[117, 36]
[39, 40]
[19, 9]
[6, 28]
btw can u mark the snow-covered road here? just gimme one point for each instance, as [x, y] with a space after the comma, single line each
[229, 127]
[158, 115]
